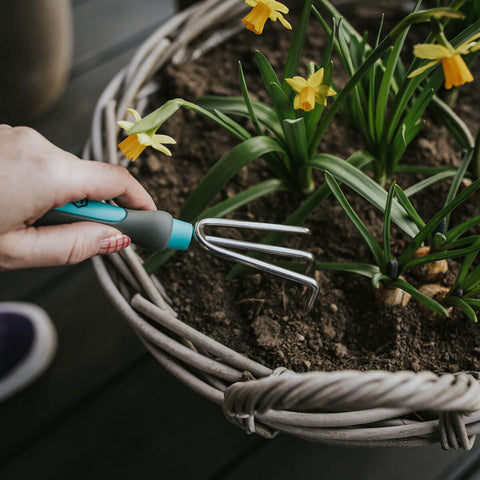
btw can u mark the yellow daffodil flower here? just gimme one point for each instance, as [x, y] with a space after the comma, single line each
[135, 144]
[262, 10]
[454, 67]
[310, 91]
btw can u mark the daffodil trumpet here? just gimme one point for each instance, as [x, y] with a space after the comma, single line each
[310, 91]
[136, 143]
[262, 10]
[454, 67]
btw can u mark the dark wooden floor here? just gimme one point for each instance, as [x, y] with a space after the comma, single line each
[105, 409]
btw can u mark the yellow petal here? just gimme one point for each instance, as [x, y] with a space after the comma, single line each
[468, 43]
[163, 139]
[161, 148]
[297, 83]
[135, 114]
[275, 15]
[279, 7]
[125, 125]
[307, 98]
[320, 99]
[420, 70]
[431, 51]
[316, 79]
[296, 102]
[325, 91]
[251, 3]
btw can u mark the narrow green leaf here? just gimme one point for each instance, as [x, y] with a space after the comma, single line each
[282, 104]
[295, 50]
[418, 187]
[432, 224]
[463, 227]
[236, 106]
[364, 186]
[248, 101]
[409, 208]
[464, 305]
[240, 131]
[246, 196]
[386, 223]
[365, 269]
[377, 278]
[355, 219]
[296, 137]
[435, 257]
[223, 171]
[429, 302]
[457, 180]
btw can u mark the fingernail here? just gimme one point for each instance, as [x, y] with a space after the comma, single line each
[113, 244]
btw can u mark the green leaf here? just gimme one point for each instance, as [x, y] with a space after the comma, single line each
[282, 104]
[234, 126]
[457, 180]
[248, 101]
[435, 257]
[365, 269]
[464, 305]
[223, 171]
[295, 50]
[421, 297]
[355, 219]
[296, 137]
[409, 208]
[418, 187]
[364, 186]
[236, 106]
[246, 196]
[386, 223]
[432, 224]
[463, 227]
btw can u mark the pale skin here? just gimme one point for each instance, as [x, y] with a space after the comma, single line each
[36, 176]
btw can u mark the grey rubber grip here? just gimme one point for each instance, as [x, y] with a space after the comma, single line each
[150, 229]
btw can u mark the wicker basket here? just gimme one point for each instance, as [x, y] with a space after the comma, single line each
[346, 408]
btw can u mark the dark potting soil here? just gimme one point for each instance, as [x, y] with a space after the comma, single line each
[260, 315]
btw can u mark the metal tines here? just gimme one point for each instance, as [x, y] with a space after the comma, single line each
[221, 247]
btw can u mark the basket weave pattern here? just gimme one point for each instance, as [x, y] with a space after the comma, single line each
[347, 408]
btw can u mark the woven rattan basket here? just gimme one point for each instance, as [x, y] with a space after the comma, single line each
[346, 408]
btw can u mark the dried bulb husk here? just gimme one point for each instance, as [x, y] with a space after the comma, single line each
[438, 293]
[392, 296]
[429, 272]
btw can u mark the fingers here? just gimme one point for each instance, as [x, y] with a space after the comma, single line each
[58, 245]
[80, 179]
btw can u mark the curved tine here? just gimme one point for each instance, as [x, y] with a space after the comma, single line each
[269, 227]
[260, 247]
[256, 263]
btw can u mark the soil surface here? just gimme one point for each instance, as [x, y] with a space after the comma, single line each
[260, 315]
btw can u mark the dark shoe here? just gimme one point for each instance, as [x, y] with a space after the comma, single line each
[27, 345]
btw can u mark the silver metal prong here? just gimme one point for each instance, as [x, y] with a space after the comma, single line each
[217, 246]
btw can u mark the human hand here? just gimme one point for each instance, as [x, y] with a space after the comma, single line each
[36, 176]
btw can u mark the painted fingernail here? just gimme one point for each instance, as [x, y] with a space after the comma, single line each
[114, 244]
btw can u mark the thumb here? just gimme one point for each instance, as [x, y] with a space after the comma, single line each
[58, 244]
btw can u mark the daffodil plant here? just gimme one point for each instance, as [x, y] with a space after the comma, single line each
[388, 273]
[387, 105]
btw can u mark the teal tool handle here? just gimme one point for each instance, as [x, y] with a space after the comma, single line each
[154, 230]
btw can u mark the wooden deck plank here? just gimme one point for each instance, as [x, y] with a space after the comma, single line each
[147, 424]
[287, 457]
[94, 344]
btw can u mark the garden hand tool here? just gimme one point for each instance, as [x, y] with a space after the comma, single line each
[158, 230]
